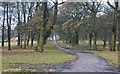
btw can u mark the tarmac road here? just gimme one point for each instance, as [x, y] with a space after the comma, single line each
[86, 62]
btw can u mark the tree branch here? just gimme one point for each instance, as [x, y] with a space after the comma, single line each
[55, 5]
[53, 1]
[110, 5]
[98, 6]
[116, 5]
[89, 7]
[86, 11]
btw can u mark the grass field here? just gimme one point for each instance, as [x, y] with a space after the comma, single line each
[14, 44]
[18, 58]
[110, 56]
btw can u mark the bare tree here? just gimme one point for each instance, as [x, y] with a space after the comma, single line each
[113, 44]
[3, 27]
[93, 7]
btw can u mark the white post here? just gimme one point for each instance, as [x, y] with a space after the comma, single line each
[54, 36]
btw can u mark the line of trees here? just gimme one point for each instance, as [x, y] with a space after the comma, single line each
[90, 21]
[35, 21]
[14, 12]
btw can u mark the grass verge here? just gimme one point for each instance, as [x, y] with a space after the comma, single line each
[24, 57]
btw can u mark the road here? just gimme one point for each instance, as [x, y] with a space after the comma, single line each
[86, 62]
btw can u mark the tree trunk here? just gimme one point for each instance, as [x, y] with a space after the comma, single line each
[72, 39]
[32, 38]
[94, 33]
[24, 41]
[54, 22]
[76, 38]
[70, 42]
[18, 39]
[113, 39]
[104, 41]
[42, 30]
[110, 44]
[28, 18]
[65, 40]
[90, 40]
[38, 39]
[9, 28]
[3, 27]
[24, 22]
[118, 33]
[18, 23]
[118, 49]
[21, 41]
[28, 40]
[43, 35]
[41, 41]
[52, 37]
[9, 34]
[114, 32]
[94, 41]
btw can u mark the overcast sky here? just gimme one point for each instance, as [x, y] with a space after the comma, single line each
[55, 0]
[14, 24]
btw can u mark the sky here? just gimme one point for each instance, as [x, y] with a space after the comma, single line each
[54, 0]
[111, 1]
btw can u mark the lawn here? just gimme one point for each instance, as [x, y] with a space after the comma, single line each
[18, 58]
[14, 44]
